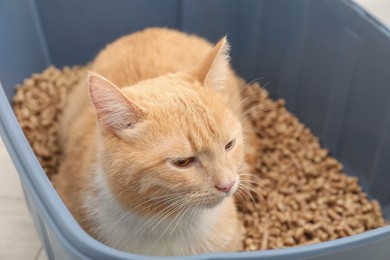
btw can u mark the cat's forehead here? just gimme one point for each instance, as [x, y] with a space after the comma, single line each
[185, 108]
[196, 130]
[176, 94]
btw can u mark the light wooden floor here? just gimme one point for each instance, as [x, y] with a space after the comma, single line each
[18, 238]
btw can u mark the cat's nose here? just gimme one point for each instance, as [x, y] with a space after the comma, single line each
[225, 187]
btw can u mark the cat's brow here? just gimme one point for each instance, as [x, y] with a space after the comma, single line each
[192, 142]
[176, 145]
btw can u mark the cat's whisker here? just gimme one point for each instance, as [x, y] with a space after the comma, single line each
[249, 178]
[260, 133]
[251, 130]
[250, 184]
[239, 105]
[160, 217]
[259, 106]
[250, 190]
[174, 208]
[246, 111]
[160, 206]
[265, 104]
[253, 111]
[238, 193]
[154, 202]
[257, 182]
[197, 210]
[171, 202]
[194, 212]
[178, 221]
[190, 213]
[265, 85]
[245, 86]
[234, 110]
[160, 197]
[150, 221]
[168, 196]
[264, 202]
[249, 116]
[249, 193]
[242, 88]
[159, 203]
[167, 228]
[155, 221]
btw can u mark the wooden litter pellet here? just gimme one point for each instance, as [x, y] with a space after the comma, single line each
[306, 190]
[264, 240]
[302, 195]
[37, 105]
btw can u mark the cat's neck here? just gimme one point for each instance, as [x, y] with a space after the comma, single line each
[116, 226]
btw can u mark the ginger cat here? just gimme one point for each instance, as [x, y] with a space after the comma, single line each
[151, 162]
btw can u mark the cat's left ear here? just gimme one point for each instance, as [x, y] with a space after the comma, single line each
[213, 70]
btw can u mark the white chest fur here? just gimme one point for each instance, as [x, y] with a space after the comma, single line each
[116, 226]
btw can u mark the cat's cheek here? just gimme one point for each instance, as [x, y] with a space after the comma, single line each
[171, 176]
[237, 156]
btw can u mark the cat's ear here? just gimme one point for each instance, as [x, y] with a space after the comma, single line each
[213, 70]
[114, 110]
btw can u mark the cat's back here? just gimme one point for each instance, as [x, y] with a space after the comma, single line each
[148, 54]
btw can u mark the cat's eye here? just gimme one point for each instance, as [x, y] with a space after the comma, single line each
[183, 162]
[230, 145]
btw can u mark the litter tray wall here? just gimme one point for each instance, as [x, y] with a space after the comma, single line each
[329, 59]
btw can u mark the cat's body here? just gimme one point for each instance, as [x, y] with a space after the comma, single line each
[151, 169]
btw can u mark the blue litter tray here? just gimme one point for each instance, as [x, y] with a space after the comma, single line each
[329, 59]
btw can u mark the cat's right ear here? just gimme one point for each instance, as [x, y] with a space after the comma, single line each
[114, 110]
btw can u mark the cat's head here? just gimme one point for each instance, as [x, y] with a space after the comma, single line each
[172, 140]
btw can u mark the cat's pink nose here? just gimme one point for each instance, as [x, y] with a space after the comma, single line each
[226, 187]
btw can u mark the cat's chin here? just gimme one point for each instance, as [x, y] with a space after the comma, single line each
[213, 202]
